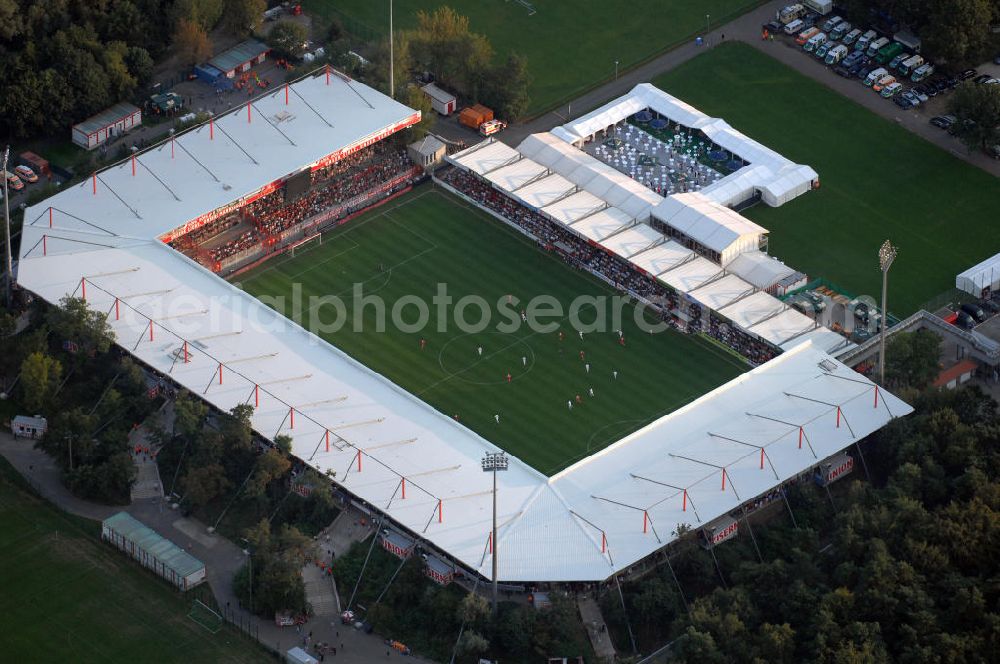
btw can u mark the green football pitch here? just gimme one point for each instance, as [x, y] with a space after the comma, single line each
[570, 46]
[878, 180]
[66, 597]
[429, 237]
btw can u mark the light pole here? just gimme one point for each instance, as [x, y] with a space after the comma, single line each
[616, 70]
[9, 267]
[708, 23]
[493, 462]
[392, 87]
[886, 255]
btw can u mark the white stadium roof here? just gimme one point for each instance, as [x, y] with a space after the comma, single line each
[710, 224]
[215, 164]
[778, 179]
[586, 523]
[760, 269]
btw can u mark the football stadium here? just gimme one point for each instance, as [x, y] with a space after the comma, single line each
[235, 259]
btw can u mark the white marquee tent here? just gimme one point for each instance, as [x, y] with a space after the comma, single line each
[978, 277]
[710, 224]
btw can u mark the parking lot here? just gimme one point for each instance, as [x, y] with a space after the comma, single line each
[847, 74]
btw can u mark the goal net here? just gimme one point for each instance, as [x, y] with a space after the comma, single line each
[205, 616]
[305, 244]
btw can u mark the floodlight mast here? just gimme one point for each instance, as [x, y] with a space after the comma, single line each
[492, 463]
[886, 255]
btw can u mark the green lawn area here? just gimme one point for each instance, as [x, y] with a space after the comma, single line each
[430, 237]
[66, 597]
[878, 180]
[570, 46]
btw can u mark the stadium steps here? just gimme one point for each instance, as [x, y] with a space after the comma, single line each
[593, 622]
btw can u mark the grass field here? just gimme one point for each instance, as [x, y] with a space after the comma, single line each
[570, 46]
[429, 237]
[878, 180]
[66, 597]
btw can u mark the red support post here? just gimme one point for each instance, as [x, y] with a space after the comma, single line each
[876, 396]
[291, 417]
[489, 543]
[359, 461]
[133, 165]
[95, 183]
[723, 479]
[328, 74]
[838, 417]
[150, 329]
[171, 147]
[50, 221]
[800, 438]
[83, 288]
[117, 310]
[440, 512]
[220, 373]
[604, 542]
[286, 94]
[211, 129]
[327, 440]
[402, 481]
[684, 505]
[248, 112]
[762, 458]
[645, 522]
[187, 357]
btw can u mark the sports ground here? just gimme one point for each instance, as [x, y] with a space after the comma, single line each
[570, 46]
[877, 180]
[429, 237]
[68, 598]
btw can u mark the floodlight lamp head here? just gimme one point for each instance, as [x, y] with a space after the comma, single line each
[494, 461]
[886, 255]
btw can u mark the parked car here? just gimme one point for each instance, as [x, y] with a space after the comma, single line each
[891, 89]
[990, 307]
[853, 58]
[920, 93]
[13, 181]
[975, 311]
[964, 320]
[864, 40]
[25, 173]
[773, 26]
[839, 70]
[874, 76]
[902, 102]
[883, 82]
[967, 74]
[909, 96]
[982, 78]
[852, 36]
[824, 49]
[842, 29]
[994, 151]
[864, 72]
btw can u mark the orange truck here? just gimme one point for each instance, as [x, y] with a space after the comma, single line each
[474, 116]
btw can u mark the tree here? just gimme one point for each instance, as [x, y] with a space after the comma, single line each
[473, 609]
[283, 443]
[473, 643]
[242, 16]
[74, 321]
[271, 465]
[204, 13]
[191, 42]
[415, 98]
[913, 358]
[958, 31]
[139, 64]
[288, 38]
[204, 483]
[189, 415]
[977, 112]
[442, 43]
[506, 88]
[40, 377]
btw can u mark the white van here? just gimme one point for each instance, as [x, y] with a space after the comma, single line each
[891, 89]
[910, 64]
[832, 23]
[864, 40]
[842, 29]
[875, 75]
[836, 54]
[815, 42]
[882, 83]
[795, 26]
[922, 72]
[876, 46]
[852, 36]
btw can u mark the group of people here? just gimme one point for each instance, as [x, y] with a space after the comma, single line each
[270, 215]
[611, 267]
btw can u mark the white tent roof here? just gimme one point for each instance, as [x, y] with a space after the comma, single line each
[544, 191]
[633, 240]
[978, 277]
[486, 156]
[578, 206]
[714, 226]
[753, 309]
[823, 338]
[776, 177]
[688, 276]
[551, 528]
[722, 292]
[208, 167]
[662, 257]
[515, 175]
[759, 269]
[590, 174]
[784, 327]
[599, 226]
